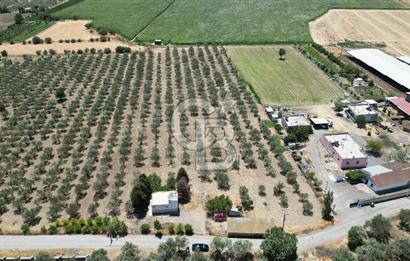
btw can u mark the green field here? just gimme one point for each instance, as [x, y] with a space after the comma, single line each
[294, 81]
[205, 21]
[21, 32]
[126, 18]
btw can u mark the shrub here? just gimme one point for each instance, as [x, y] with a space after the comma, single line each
[179, 229]
[279, 245]
[182, 174]
[404, 217]
[48, 40]
[145, 228]
[220, 203]
[157, 225]
[284, 201]
[189, 231]
[357, 236]
[379, 227]
[122, 49]
[361, 122]
[374, 146]
[43, 230]
[107, 50]
[246, 201]
[37, 40]
[223, 180]
[4, 53]
[25, 229]
[278, 189]
[307, 208]
[355, 176]
[262, 190]
[171, 229]
[52, 229]
[344, 255]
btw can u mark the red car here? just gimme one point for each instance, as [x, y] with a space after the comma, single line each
[219, 217]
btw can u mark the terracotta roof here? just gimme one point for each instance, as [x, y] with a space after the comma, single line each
[399, 173]
[402, 104]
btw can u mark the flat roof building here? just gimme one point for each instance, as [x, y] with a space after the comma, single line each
[164, 203]
[363, 109]
[321, 123]
[291, 122]
[388, 177]
[344, 150]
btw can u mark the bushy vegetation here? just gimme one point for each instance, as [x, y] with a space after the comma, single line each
[354, 176]
[374, 241]
[220, 203]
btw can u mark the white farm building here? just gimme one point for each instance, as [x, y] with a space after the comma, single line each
[388, 67]
[164, 203]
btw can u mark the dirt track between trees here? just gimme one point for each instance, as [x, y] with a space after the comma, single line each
[390, 27]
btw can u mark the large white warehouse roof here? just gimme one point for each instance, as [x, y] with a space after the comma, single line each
[385, 64]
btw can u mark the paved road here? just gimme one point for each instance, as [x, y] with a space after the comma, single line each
[308, 241]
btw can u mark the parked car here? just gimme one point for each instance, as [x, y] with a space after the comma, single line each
[200, 247]
[219, 217]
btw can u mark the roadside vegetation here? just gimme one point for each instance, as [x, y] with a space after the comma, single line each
[378, 239]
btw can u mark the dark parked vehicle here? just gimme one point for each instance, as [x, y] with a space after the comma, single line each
[200, 247]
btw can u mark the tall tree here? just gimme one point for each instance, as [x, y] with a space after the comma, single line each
[129, 252]
[282, 52]
[357, 236]
[327, 206]
[279, 245]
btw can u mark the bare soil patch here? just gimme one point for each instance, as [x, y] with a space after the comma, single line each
[390, 27]
[68, 30]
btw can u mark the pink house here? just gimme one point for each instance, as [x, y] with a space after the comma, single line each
[344, 150]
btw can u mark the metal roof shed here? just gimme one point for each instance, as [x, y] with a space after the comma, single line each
[385, 64]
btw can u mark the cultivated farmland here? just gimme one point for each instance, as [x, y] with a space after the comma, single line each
[83, 152]
[126, 18]
[293, 81]
[389, 27]
[203, 21]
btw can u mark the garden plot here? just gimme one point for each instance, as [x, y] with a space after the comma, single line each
[79, 156]
[389, 27]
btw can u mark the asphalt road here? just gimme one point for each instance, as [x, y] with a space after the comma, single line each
[328, 235]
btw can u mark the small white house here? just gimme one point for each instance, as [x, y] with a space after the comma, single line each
[362, 109]
[164, 203]
[359, 82]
